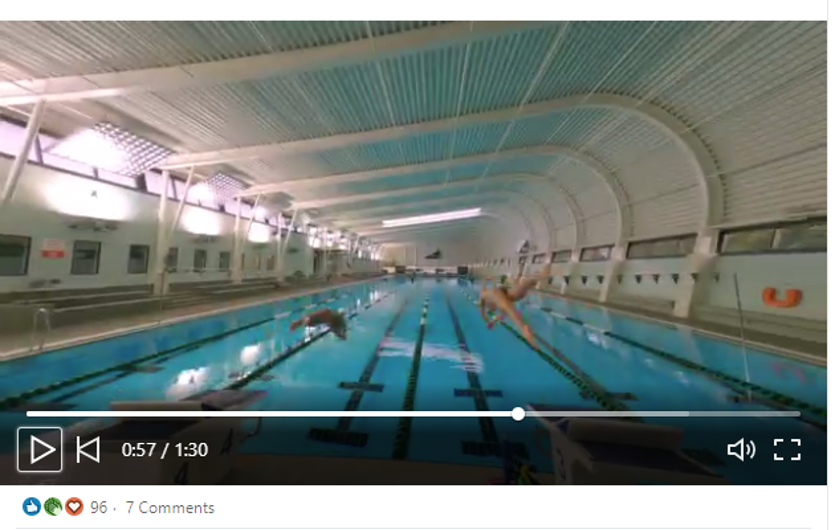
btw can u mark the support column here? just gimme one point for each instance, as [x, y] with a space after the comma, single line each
[244, 239]
[236, 249]
[16, 171]
[278, 243]
[160, 283]
[617, 258]
[289, 231]
[571, 267]
[702, 262]
[181, 206]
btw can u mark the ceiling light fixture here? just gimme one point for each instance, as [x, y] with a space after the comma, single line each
[432, 218]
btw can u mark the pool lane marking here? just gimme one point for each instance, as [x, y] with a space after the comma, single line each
[341, 434]
[606, 400]
[401, 442]
[15, 402]
[292, 350]
[490, 444]
[772, 398]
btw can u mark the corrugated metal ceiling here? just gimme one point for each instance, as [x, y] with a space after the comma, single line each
[749, 95]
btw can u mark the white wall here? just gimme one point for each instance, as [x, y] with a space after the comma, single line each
[45, 199]
[717, 300]
[413, 255]
[806, 272]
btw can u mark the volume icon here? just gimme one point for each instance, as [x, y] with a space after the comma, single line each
[742, 449]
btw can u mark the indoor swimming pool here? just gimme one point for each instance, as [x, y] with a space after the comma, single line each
[423, 346]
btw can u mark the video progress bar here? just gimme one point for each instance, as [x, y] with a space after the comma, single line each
[517, 414]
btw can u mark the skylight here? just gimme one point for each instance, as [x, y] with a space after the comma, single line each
[432, 218]
[225, 187]
[111, 148]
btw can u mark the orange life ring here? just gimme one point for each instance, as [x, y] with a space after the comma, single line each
[793, 297]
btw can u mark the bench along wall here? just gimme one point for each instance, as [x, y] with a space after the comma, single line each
[47, 199]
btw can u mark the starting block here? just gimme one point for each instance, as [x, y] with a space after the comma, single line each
[596, 451]
[197, 451]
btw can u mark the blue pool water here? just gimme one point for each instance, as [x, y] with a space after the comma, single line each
[642, 365]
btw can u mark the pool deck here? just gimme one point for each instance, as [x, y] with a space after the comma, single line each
[801, 350]
[17, 346]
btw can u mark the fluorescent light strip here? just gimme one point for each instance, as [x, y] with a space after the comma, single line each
[432, 218]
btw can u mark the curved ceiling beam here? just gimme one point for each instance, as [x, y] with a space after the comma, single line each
[264, 66]
[571, 204]
[690, 144]
[305, 183]
[609, 180]
[572, 207]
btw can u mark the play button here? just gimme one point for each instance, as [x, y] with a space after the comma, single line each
[39, 450]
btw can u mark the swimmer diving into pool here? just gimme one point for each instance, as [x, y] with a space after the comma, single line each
[501, 300]
[334, 320]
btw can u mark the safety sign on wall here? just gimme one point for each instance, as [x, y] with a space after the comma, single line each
[53, 248]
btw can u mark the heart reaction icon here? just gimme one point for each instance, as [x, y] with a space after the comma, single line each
[74, 506]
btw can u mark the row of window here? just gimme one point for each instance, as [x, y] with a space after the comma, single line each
[800, 236]
[15, 254]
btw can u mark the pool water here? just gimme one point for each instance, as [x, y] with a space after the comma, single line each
[586, 354]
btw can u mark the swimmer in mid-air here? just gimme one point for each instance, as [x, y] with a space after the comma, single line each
[499, 301]
[334, 320]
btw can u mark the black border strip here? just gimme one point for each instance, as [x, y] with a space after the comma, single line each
[487, 429]
[367, 374]
[401, 443]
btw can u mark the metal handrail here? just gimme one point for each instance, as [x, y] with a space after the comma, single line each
[41, 315]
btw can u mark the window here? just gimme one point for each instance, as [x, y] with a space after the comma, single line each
[225, 260]
[803, 236]
[14, 255]
[86, 256]
[669, 247]
[601, 253]
[172, 259]
[808, 236]
[200, 259]
[138, 258]
[270, 262]
[561, 256]
[538, 258]
[759, 240]
[524, 247]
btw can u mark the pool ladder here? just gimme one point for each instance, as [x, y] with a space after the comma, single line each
[41, 328]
